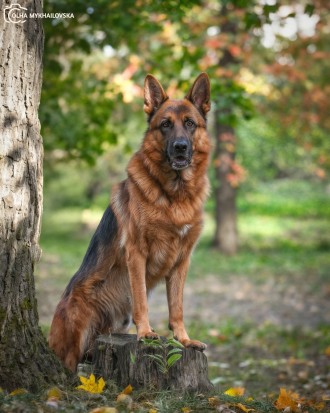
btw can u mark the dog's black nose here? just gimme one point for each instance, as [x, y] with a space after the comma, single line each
[180, 145]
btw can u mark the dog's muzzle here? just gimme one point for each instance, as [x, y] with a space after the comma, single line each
[179, 153]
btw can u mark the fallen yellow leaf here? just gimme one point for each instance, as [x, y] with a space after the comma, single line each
[152, 411]
[91, 385]
[288, 399]
[104, 409]
[244, 408]
[327, 351]
[186, 410]
[128, 389]
[318, 406]
[54, 393]
[213, 401]
[235, 391]
[125, 400]
[18, 392]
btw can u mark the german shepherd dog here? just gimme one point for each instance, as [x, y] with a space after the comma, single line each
[147, 233]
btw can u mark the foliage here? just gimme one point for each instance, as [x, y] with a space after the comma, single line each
[164, 361]
[81, 108]
[298, 104]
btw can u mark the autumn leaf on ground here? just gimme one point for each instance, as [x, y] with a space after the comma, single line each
[104, 409]
[244, 408]
[213, 401]
[18, 391]
[54, 393]
[186, 410]
[288, 399]
[235, 391]
[53, 396]
[124, 400]
[91, 385]
[127, 390]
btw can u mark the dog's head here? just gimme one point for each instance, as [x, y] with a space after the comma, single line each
[177, 121]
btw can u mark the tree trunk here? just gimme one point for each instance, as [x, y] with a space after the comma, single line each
[122, 358]
[226, 236]
[25, 359]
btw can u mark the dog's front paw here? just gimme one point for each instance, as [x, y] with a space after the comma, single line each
[195, 344]
[150, 335]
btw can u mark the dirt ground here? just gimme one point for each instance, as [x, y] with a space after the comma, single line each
[287, 303]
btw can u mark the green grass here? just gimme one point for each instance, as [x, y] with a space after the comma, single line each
[300, 199]
[268, 244]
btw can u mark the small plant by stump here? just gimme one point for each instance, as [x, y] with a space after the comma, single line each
[157, 365]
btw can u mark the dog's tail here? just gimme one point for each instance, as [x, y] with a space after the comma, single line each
[98, 246]
[72, 326]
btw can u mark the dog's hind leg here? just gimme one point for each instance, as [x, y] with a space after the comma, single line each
[70, 333]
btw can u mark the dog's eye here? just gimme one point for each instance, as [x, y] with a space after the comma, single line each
[190, 123]
[165, 124]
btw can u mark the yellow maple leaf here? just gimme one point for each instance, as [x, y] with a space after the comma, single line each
[18, 391]
[244, 408]
[186, 410]
[152, 411]
[127, 390]
[235, 391]
[91, 385]
[54, 393]
[288, 399]
[104, 409]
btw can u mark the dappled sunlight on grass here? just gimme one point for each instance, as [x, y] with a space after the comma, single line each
[268, 245]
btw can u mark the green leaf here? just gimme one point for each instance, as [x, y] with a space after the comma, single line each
[173, 359]
[309, 9]
[151, 342]
[132, 357]
[174, 351]
[156, 357]
[174, 343]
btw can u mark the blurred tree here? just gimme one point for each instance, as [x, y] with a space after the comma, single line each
[25, 359]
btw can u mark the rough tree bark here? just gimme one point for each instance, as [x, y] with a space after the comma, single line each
[122, 358]
[25, 359]
[226, 234]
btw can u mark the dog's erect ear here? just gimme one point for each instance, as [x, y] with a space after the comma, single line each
[199, 94]
[154, 95]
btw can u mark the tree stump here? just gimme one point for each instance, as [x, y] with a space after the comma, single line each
[125, 360]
